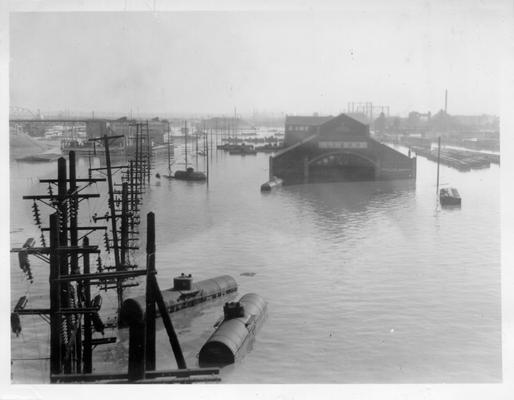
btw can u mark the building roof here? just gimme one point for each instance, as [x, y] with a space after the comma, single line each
[310, 120]
[287, 149]
[362, 118]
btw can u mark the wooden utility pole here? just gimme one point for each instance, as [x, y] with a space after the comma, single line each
[185, 137]
[149, 152]
[438, 159]
[55, 300]
[196, 149]
[206, 146]
[137, 153]
[124, 224]
[116, 246]
[88, 334]
[169, 153]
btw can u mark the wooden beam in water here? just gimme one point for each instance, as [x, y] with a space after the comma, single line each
[204, 373]
[102, 275]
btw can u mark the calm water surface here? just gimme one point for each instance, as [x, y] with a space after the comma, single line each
[365, 282]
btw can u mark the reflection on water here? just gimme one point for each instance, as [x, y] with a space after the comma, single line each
[365, 281]
[336, 203]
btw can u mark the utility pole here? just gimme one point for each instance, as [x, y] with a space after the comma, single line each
[105, 139]
[65, 300]
[438, 159]
[206, 148]
[185, 137]
[149, 152]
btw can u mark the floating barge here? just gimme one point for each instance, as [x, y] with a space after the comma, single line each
[269, 148]
[458, 159]
[243, 150]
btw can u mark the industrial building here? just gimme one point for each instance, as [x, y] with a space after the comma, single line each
[333, 149]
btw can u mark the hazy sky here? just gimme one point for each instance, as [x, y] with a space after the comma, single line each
[293, 61]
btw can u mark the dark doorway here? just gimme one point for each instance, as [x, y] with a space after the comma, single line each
[341, 168]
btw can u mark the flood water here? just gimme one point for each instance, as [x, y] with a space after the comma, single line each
[366, 282]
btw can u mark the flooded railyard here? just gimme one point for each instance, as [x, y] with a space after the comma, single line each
[365, 281]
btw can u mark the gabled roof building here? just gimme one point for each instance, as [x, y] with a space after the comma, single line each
[332, 149]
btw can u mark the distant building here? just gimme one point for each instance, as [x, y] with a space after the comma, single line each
[157, 130]
[96, 128]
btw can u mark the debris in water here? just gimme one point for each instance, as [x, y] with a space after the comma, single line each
[247, 274]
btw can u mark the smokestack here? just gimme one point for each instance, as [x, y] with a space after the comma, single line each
[446, 101]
